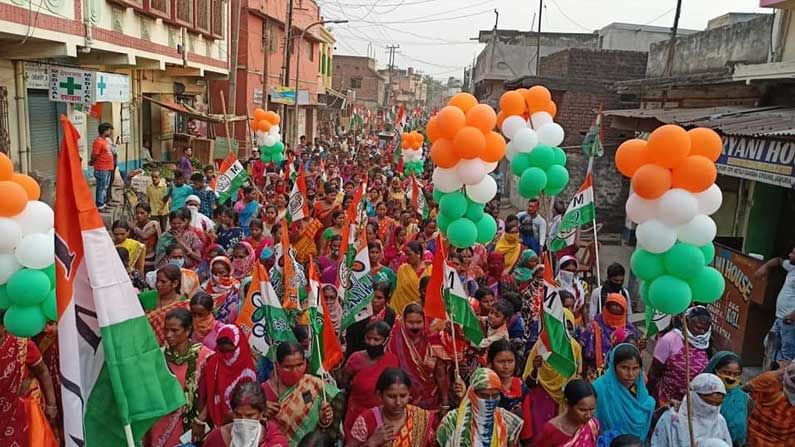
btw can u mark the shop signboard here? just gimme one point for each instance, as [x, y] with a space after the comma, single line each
[112, 87]
[283, 95]
[71, 85]
[766, 160]
[36, 76]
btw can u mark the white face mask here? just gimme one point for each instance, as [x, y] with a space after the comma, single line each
[245, 433]
[485, 420]
[566, 277]
[179, 262]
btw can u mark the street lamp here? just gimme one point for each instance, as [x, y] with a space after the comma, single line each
[298, 73]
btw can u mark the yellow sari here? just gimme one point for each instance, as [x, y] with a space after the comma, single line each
[135, 249]
[407, 289]
[511, 248]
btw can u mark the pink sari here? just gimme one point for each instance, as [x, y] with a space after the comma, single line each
[418, 361]
[365, 376]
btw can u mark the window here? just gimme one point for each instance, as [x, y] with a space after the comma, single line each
[203, 16]
[137, 4]
[356, 82]
[183, 12]
[160, 8]
[5, 136]
[311, 50]
[217, 18]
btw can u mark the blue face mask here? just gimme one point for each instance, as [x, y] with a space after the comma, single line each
[178, 262]
[266, 254]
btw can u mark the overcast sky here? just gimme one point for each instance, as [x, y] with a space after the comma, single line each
[434, 35]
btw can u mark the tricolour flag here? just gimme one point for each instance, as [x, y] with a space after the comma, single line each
[262, 316]
[326, 352]
[114, 379]
[656, 321]
[354, 283]
[417, 198]
[581, 210]
[434, 297]
[458, 307]
[285, 260]
[297, 206]
[555, 347]
[232, 176]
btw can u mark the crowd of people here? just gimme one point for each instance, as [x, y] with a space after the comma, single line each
[406, 380]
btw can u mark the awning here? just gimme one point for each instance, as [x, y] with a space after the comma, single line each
[193, 113]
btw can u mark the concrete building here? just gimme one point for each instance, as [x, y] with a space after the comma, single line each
[357, 76]
[407, 88]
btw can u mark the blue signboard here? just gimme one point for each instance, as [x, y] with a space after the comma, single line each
[765, 160]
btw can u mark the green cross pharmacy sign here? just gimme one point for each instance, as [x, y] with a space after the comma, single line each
[72, 85]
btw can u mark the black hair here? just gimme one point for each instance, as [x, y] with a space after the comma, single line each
[415, 246]
[504, 307]
[316, 439]
[626, 441]
[172, 272]
[501, 345]
[286, 348]
[248, 393]
[728, 360]
[335, 238]
[120, 224]
[456, 256]
[197, 176]
[392, 376]
[301, 333]
[424, 284]
[380, 327]
[336, 214]
[624, 352]
[144, 206]
[577, 390]
[248, 189]
[187, 148]
[178, 213]
[413, 308]
[615, 269]
[267, 207]
[230, 212]
[514, 298]
[170, 249]
[699, 313]
[178, 174]
[482, 292]
[124, 255]
[373, 245]
[257, 223]
[202, 299]
[565, 295]
[385, 288]
[104, 127]
[206, 167]
[183, 315]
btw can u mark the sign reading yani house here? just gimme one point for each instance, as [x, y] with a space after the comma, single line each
[764, 160]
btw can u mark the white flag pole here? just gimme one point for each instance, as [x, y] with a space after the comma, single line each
[129, 435]
[595, 237]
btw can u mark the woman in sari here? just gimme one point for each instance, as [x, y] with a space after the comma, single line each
[224, 289]
[146, 231]
[325, 206]
[247, 208]
[269, 218]
[532, 294]
[478, 421]
[729, 368]
[179, 233]
[394, 247]
[514, 394]
[298, 402]
[623, 402]
[773, 410]
[250, 427]
[280, 201]
[257, 237]
[524, 268]
[136, 251]
[330, 263]
[496, 277]
[396, 193]
[205, 326]
[362, 369]
[167, 285]
[338, 218]
[243, 257]
[394, 423]
[302, 236]
[229, 233]
[547, 399]
[596, 339]
[407, 288]
[510, 246]
[469, 266]
[378, 271]
[186, 361]
[385, 223]
[576, 426]
[568, 280]
[354, 335]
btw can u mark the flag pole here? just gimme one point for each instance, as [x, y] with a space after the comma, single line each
[455, 350]
[687, 386]
[595, 238]
[129, 435]
[314, 336]
[229, 136]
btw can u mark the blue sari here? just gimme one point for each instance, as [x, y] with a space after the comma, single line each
[735, 405]
[247, 213]
[619, 409]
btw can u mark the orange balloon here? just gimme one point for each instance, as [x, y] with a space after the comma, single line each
[495, 147]
[259, 114]
[27, 183]
[463, 101]
[651, 181]
[469, 142]
[432, 130]
[418, 139]
[695, 174]
[253, 124]
[706, 142]
[500, 118]
[14, 198]
[631, 155]
[482, 116]
[272, 117]
[668, 145]
[443, 155]
[537, 98]
[404, 136]
[512, 103]
[551, 108]
[449, 121]
[6, 167]
[263, 125]
[405, 144]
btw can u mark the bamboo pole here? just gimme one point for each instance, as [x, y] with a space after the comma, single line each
[229, 136]
[685, 333]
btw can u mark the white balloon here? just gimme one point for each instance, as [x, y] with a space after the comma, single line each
[513, 124]
[278, 137]
[483, 191]
[8, 266]
[550, 134]
[490, 167]
[37, 217]
[655, 236]
[274, 130]
[261, 138]
[269, 140]
[36, 251]
[446, 180]
[710, 200]
[699, 231]
[640, 210]
[525, 140]
[510, 151]
[677, 207]
[471, 172]
[538, 119]
[10, 234]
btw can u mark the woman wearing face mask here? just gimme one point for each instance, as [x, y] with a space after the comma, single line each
[576, 427]
[623, 402]
[496, 277]
[243, 257]
[362, 369]
[250, 427]
[773, 409]
[224, 289]
[729, 368]
[199, 222]
[298, 402]
[394, 423]
[514, 394]
[186, 361]
[706, 395]
[568, 280]
[205, 326]
[509, 245]
[667, 373]
[407, 288]
[180, 233]
[596, 339]
[167, 284]
[478, 421]
[354, 335]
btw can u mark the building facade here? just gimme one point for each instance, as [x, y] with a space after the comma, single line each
[357, 77]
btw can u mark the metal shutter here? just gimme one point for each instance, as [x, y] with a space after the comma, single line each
[45, 132]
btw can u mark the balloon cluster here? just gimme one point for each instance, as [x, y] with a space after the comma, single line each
[465, 150]
[673, 193]
[526, 119]
[411, 143]
[269, 140]
[27, 254]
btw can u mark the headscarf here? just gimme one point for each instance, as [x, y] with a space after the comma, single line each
[611, 320]
[619, 409]
[522, 272]
[697, 341]
[707, 421]
[511, 246]
[225, 291]
[548, 377]
[224, 372]
[735, 405]
[242, 267]
[494, 258]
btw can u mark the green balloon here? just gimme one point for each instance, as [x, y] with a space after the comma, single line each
[278, 147]
[277, 157]
[24, 321]
[708, 286]
[50, 272]
[557, 179]
[684, 261]
[542, 156]
[520, 162]
[462, 233]
[558, 156]
[453, 205]
[532, 181]
[442, 222]
[709, 253]
[5, 303]
[487, 229]
[437, 195]
[646, 266]
[28, 287]
[474, 211]
[49, 307]
[670, 295]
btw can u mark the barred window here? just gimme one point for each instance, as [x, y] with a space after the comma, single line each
[217, 18]
[203, 15]
[183, 11]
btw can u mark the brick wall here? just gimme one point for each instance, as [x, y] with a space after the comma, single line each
[347, 67]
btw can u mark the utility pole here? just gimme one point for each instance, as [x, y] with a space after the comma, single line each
[267, 44]
[391, 49]
[669, 61]
[288, 42]
[538, 37]
[236, 6]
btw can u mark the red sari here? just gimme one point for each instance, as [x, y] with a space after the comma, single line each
[16, 355]
[365, 375]
[222, 374]
[419, 362]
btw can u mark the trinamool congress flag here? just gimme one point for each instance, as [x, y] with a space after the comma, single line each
[581, 210]
[114, 380]
[262, 316]
[232, 176]
[297, 206]
[326, 352]
[555, 347]
[417, 198]
[354, 283]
